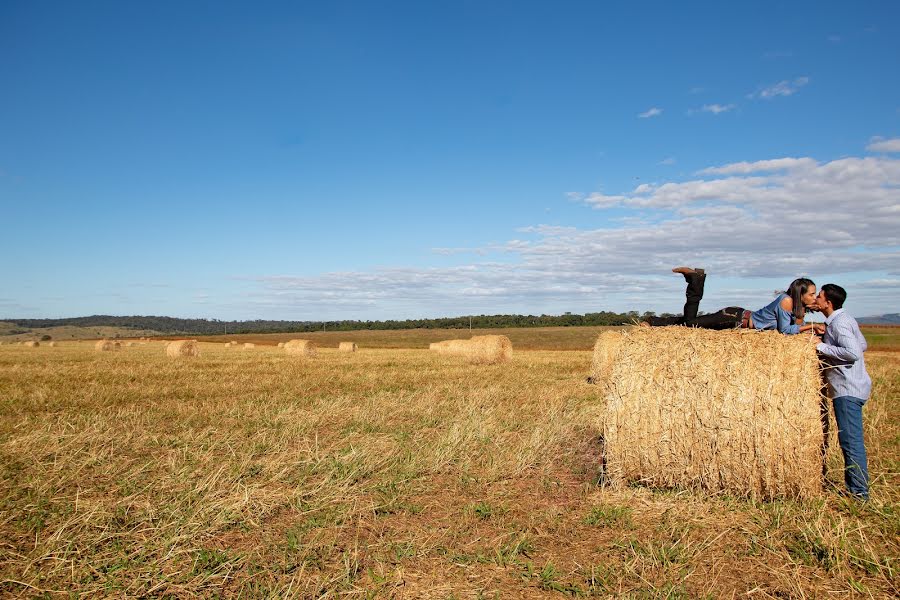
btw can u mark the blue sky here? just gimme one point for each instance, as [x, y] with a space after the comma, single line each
[359, 160]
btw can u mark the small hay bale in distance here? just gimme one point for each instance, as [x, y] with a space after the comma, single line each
[107, 346]
[304, 348]
[53, 344]
[281, 344]
[32, 344]
[249, 345]
[183, 348]
[347, 347]
[720, 411]
[482, 349]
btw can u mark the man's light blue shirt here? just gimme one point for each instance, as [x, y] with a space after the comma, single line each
[842, 349]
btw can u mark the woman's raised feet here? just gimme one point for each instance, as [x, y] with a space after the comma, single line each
[688, 271]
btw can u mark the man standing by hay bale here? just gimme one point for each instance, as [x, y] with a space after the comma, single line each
[849, 385]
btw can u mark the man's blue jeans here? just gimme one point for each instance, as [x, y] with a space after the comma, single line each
[848, 414]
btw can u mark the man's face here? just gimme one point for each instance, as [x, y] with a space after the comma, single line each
[821, 301]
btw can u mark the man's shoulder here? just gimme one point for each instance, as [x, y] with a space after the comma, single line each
[846, 319]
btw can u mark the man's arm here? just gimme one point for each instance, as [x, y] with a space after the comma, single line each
[846, 345]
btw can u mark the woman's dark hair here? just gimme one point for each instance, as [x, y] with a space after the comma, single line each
[796, 290]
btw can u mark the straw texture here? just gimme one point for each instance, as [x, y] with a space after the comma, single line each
[249, 345]
[483, 349]
[183, 348]
[347, 347]
[723, 411]
[304, 348]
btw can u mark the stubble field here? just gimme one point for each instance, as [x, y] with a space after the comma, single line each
[387, 473]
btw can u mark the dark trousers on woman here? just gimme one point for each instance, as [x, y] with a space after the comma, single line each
[727, 318]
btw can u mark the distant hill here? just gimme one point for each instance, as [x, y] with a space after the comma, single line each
[888, 319]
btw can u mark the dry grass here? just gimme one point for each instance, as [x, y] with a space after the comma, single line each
[386, 473]
[734, 411]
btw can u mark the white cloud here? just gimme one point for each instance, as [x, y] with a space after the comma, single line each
[878, 144]
[743, 168]
[653, 112]
[668, 161]
[717, 108]
[782, 88]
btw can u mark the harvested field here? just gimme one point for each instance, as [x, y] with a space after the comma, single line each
[395, 474]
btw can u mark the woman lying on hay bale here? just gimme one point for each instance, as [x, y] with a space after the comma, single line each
[785, 313]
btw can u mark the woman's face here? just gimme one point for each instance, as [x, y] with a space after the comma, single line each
[809, 298]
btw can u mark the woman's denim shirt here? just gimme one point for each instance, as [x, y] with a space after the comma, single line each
[775, 317]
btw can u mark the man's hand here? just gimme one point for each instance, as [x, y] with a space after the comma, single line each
[819, 328]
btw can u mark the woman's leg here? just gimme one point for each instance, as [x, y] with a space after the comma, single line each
[727, 318]
[695, 279]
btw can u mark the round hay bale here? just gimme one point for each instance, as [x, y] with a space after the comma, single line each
[52, 344]
[107, 346]
[300, 348]
[183, 348]
[347, 347]
[249, 345]
[32, 344]
[721, 411]
[281, 344]
[130, 344]
[480, 349]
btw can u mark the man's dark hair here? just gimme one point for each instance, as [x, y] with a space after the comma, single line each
[835, 294]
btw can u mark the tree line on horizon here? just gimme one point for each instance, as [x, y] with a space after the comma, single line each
[172, 325]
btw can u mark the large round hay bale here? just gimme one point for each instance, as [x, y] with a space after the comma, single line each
[107, 346]
[347, 347]
[249, 345]
[52, 344]
[723, 411]
[482, 349]
[181, 348]
[32, 344]
[300, 348]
